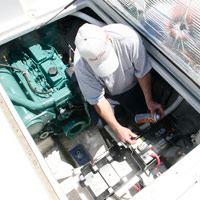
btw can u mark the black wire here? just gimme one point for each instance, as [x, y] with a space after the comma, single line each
[25, 76]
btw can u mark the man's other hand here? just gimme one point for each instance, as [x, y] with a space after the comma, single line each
[155, 107]
[126, 135]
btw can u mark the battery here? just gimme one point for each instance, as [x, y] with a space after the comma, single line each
[146, 118]
[159, 137]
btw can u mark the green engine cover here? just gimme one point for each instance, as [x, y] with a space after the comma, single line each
[44, 95]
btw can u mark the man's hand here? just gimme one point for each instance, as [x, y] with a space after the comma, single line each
[155, 107]
[105, 111]
[126, 135]
[145, 84]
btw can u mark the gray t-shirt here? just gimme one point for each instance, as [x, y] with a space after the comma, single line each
[133, 64]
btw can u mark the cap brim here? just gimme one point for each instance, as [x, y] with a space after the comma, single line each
[108, 66]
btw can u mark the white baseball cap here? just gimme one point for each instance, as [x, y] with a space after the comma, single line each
[94, 46]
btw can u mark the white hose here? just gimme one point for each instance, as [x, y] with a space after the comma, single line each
[167, 111]
[173, 106]
[88, 18]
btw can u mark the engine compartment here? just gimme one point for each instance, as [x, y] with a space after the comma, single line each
[42, 88]
[37, 74]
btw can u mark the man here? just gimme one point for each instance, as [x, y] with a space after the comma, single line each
[109, 61]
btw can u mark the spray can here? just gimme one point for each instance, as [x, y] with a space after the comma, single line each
[146, 118]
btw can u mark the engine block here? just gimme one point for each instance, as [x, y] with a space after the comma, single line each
[44, 94]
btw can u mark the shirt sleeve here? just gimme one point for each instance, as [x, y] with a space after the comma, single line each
[90, 87]
[140, 57]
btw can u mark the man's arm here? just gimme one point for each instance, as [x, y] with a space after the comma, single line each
[145, 84]
[104, 109]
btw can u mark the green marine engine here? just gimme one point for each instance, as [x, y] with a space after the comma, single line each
[43, 92]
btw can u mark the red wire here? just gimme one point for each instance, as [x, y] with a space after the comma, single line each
[136, 187]
[157, 158]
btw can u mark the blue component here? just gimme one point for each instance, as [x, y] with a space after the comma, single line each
[80, 155]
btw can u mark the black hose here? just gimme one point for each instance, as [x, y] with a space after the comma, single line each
[25, 76]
